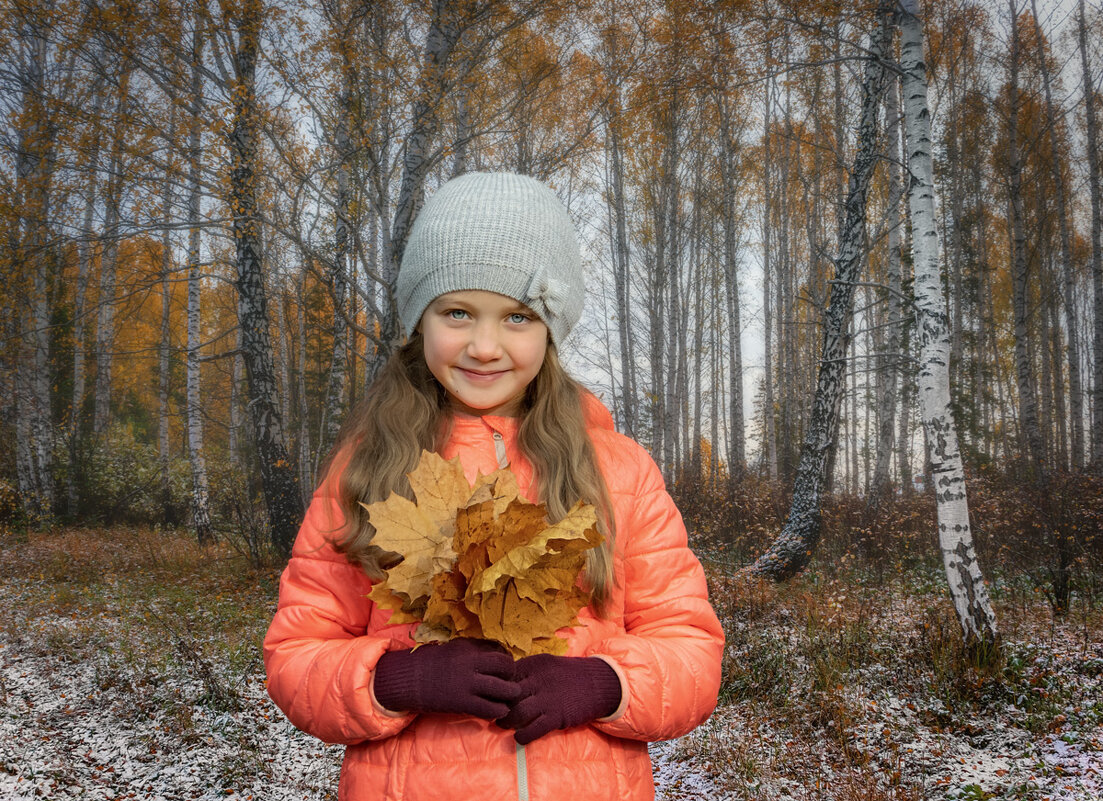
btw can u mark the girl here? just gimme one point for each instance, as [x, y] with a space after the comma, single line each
[490, 284]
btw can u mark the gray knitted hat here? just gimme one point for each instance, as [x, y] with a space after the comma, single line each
[500, 232]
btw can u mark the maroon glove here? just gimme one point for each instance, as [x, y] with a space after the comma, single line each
[462, 677]
[558, 692]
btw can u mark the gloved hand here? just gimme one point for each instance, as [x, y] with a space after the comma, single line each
[462, 676]
[558, 692]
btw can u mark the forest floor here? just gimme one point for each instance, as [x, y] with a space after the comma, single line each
[130, 668]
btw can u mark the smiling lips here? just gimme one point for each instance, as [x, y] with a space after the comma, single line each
[484, 377]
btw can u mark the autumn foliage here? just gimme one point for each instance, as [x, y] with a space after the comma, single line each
[480, 561]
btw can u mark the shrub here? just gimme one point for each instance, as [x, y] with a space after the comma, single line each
[119, 480]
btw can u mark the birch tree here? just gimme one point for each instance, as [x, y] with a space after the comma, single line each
[281, 490]
[1024, 369]
[967, 587]
[1068, 283]
[888, 361]
[34, 169]
[109, 256]
[793, 548]
[84, 270]
[1094, 182]
[200, 506]
[164, 350]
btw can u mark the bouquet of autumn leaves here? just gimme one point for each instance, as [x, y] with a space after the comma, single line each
[480, 561]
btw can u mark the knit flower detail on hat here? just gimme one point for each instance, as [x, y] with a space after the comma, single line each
[552, 293]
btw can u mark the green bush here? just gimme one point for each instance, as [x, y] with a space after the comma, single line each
[119, 481]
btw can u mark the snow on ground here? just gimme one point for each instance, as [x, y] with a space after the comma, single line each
[76, 729]
[67, 730]
[96, 704]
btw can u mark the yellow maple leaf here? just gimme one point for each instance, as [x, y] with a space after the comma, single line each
[481, 561]
[575, 533]
[383, 597]
[501, 486]
[526, 589]
[420, 532]
[440, 488]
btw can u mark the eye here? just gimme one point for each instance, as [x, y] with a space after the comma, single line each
[455, 314]
[517, 318]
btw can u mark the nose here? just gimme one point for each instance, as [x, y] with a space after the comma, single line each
[484, 345]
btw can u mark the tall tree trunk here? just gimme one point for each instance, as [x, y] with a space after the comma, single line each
[737, 458]
[237, 375]
[200, 504]
[306, 453]
[769, 424]
[967, 588]
[1024, 369]
[165, 346]
[335, 394]
[109, 261]
[1068, 274]
[34, 176]
[696, 281]
[793, 548]
[84, 270]
[889, 360]
[280, 484]
[907, 398]
[621, 271]
[1097, 245]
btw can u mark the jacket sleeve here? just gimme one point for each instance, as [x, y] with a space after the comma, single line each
[326, 638]
[669, 655]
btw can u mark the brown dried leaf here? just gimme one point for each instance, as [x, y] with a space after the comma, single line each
[421, 532]
[440, 488]
[574, 533]
[502, 487]
[385, 599]
[481, 561]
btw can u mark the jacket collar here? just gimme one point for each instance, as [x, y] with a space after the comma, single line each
[597, 416]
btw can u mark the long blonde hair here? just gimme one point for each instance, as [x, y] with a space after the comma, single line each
[406, 410]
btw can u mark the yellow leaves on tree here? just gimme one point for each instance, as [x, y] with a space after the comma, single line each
[481, 561]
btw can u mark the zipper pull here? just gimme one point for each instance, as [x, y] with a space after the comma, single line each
[500, 450]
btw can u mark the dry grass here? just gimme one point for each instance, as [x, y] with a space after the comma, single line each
[844, 684]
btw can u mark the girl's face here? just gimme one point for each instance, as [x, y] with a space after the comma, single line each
[484, 349]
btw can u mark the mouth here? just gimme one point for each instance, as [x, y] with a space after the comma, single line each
[481, 375]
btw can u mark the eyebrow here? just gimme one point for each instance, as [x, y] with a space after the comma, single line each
[453, 299]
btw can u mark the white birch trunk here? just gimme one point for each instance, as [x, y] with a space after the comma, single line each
[737, 458]
[306, 454]
[34, 173]
[84, 269]
[200, 503]
[237, 375]
[1097, 245]
[1024, 368]
[335, 394]
[967, 588]
[163, 351]
[767, 276]
[620, 254]
[109, 261]
[889, 361]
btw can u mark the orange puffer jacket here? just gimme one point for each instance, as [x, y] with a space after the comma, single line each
[659, 633]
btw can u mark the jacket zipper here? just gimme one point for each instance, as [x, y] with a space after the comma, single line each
[522, 762]
[522, 774]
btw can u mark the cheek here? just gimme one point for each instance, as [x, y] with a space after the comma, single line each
[438, 350]
[534, 355]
